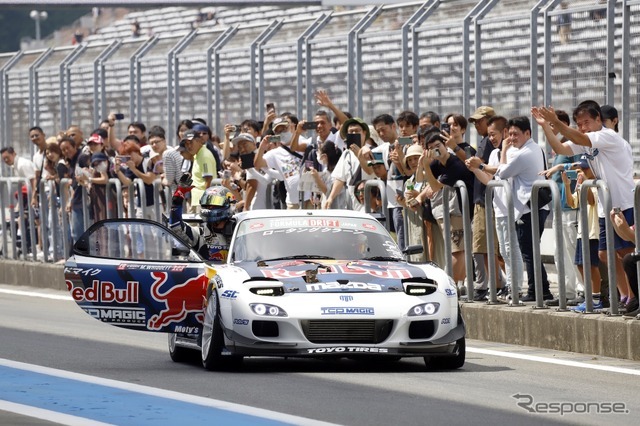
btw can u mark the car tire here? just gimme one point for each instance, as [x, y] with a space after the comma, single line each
[213, 340]
[449, 362]
[177, 353]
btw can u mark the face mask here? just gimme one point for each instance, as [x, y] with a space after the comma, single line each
[101, 167]
[285, 138]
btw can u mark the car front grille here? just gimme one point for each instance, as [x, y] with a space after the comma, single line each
[347, 331]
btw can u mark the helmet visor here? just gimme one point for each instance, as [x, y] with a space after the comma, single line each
[213, 201]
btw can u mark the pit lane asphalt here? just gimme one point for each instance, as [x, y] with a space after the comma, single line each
[57, 334]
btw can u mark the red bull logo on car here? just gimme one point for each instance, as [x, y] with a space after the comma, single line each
[105, 292]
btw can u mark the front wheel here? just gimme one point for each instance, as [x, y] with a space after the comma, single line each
[213, 339]
[449, 362]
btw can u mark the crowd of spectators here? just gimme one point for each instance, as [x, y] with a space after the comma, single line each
[285, 162]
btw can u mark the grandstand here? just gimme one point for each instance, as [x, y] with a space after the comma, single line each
[371, 60]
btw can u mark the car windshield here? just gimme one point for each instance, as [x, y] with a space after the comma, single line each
[312, 238]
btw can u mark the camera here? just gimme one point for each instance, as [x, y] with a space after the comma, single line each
[310, 125]
[234, 128]
[119, 116]
[274, 138]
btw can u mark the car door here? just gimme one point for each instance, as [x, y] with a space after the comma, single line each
[137, 274]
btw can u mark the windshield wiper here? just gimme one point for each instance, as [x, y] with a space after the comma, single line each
[383, 258]
[299, 256]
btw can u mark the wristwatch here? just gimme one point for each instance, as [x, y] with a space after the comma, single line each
[481, 166]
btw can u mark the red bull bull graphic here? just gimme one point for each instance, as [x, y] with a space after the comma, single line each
[178, 300]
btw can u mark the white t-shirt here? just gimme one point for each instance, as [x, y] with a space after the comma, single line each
[289, 166]
[38, 161]
[613, 163]
[24, 168]
[393, 185]
[344, 171]
[263, 178]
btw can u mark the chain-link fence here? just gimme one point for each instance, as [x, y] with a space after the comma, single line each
[459, 55]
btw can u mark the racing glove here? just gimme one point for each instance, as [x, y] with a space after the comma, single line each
[184, 187]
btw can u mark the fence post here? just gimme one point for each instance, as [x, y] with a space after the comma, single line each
[468, 246]
[44, 219]
[65, 186]
[382, 189]
[557, 226]
[119, 204]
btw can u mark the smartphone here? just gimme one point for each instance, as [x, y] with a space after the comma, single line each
[310, 125]
[405, 141]
[226, 174]
[400, 193]
[616, 210]
[445, 127]
[468, 151]
[353, 138]
[572, 174]
[270, 107]
[246, 160]
[274, 138]
[119, 116]
[124, 158]
[377, 156]
[308, 165]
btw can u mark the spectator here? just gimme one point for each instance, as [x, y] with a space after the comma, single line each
[523, 168]
[629, 261]
[23, 168]
[77, 162]
[39, 140]
[135, 29]
[610, 159]
[610, 117]
[454, 137]
[413, 206]
[257, 180]
[564, 24]
[205, 133]
[78, 36]
[569, 225]
[497, 134]
[374, 201]
[158, 145]
[442, 168]
[480, 119]
[56, 170]
[339, 117]
[348, 171]
[592, 233]
[203, 170]
[98, 185]
[284, 161]
[429, 119]
[131, 165]
[139, 130]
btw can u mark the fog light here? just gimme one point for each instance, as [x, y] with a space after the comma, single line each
[417, 310]
[273, 310]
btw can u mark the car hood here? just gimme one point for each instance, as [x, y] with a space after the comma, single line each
[332, 275]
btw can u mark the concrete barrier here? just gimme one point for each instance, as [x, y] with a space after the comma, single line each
[595, 334]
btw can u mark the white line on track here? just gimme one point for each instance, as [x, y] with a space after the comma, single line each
[177, 396]
[52, 416]
[36, 294]
[566, 363]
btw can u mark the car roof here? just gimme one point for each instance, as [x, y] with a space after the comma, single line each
[271, 213]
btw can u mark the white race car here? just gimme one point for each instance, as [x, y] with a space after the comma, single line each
[297, 283]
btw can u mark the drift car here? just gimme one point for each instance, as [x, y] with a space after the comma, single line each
[297, 283]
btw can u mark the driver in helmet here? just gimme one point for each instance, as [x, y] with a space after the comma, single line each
[211, 240]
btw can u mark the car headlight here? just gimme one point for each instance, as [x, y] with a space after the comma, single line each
[264, 309]
[429, 308]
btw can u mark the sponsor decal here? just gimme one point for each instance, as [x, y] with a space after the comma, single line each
[82, 271]
[239, 321]
[186, 330]
[218, 281]
[180, 300]
[445, 321]
[142, 267]
[258, 225]
[229, 294]
[369, 226]
[106, 292]
[376, 270]
[135, 317]
[346, 298]
[449, 292]
[327, 223]
[347, 286]
[346, 311]
[348, 349]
